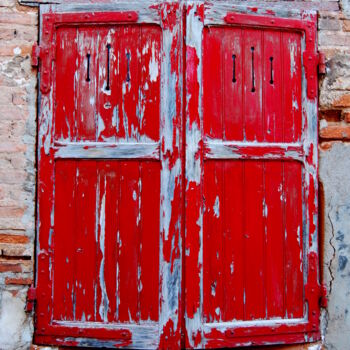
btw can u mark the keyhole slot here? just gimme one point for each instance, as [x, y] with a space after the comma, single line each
[271, 70]
[88, 67]
[253, 73]
[234, 68]
[128, 56]
[108, 63]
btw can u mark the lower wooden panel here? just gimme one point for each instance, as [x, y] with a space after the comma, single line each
[252, 241]
[106, 241]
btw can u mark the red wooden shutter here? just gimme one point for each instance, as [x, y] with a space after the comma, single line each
[251, 199]
[109, 170]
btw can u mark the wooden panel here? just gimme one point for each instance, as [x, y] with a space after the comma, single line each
[254, 248]
[212, 83]
[253, 123]
[293, 240]
[66, 58]
[233, 241]
[213, 258]
[272, 87]
[102, 268]
[64, 240]
[86, 88]
[292, 107]
[274, 235]
[149, 93]
[233, 63]
[85, 255]
[107, 96]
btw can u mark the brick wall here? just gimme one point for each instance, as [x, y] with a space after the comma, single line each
[18, 30]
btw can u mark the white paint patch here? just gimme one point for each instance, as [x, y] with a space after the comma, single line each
[295, 105]
[100, 125]
[323, 123]
[15, 326]
[134, 196]
[17, 50]
[293, 52]
[104, 305]
[216, 207]
[153, 65]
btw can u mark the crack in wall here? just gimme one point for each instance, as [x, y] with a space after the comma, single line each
[334, 252]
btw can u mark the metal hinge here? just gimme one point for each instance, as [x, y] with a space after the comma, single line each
[35, 54]
[323, 296]
[45, 54]
[31, 298]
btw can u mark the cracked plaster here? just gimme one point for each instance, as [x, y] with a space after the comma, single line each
[334, 170]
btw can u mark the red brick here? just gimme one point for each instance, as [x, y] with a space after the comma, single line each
[10, 266]
[18, 18]
[11, 212]
[338, 131]
[334, 39]
[332, 115]
[8, 238]
[11, 50]
[346, 25]
[344, 100]
[346, 116]
[18, 281]
[329, 24]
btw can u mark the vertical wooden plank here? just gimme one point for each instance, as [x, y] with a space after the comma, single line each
[129, 70]
[86, 88]
[213, 83]
[273, 213]
[149, 90]
[129, 238]
[64, 240]
[85, 243]
[193, 176]
[212, 242]
[292, 86]
[112, 228]
[253, 85]
[106, 234]
[272, 87]
[293, 240]
[233, 258]
[232, 84]
[66, 56]
[255, 306]
[149, 246]
[107, 119]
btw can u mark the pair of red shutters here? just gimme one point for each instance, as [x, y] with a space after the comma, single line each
[177, 177]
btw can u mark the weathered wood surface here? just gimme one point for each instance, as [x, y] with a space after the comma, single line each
[146, 233]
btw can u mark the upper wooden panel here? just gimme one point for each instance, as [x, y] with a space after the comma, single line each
[252, 84]
[108, 83]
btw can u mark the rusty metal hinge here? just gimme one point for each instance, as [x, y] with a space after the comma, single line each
[31, 298]
[323, 296]
[310, 60]
[321, 63]
[35, 54]
[45, 54]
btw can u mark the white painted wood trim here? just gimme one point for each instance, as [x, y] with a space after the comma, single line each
[96, 150]
[253, 150]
